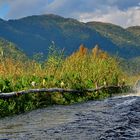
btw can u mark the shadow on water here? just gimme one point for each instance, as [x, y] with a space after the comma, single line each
[117, 118]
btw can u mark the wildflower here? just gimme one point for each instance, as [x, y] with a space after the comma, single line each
[62, 84]
[43, 82]
[33, 83]
[105, 83]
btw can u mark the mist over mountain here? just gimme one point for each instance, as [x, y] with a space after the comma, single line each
[34, 34]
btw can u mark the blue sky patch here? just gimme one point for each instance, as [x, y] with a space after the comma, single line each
[4, 8]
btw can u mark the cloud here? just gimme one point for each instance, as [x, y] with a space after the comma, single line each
[130, 17]
[126, 11]
[71, 6]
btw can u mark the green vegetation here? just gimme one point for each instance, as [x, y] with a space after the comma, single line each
[131, 66]
[117, 34]
[83, 69]
[8, 49]
[34, 34]
[135, 30]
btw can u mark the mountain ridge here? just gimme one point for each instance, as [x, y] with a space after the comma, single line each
[108, 30]
[34, 34]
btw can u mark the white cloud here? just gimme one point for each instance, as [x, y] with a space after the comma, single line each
[130, 17]
[122, 12]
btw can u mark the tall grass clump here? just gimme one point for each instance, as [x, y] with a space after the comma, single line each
[83, 69]
[89, 69]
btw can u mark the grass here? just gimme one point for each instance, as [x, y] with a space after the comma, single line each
[83, 69]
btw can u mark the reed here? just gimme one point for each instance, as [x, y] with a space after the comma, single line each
[83, 69]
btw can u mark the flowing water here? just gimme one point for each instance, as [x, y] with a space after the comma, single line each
[116, 118]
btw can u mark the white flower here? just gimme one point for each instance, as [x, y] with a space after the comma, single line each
[33, 83]
[105, 83]
[62, 84]
[43, 82]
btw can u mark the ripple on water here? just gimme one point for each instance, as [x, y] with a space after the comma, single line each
[110, 119]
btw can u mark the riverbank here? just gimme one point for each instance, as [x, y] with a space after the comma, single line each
[27, 102]
[84, 69]
[112, 118]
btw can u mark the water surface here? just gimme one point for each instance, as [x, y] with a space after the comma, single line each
[116, 118]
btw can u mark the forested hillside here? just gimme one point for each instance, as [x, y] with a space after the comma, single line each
[34, 34]
[9, 50]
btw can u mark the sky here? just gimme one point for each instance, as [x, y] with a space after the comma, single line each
[121, 12]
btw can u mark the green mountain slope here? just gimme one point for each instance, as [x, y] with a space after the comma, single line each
[117, 34]
[135, 30]
[8, 49]
[34, 34]
[131, 66]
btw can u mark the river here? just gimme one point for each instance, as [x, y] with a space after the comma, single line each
[116, 118]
